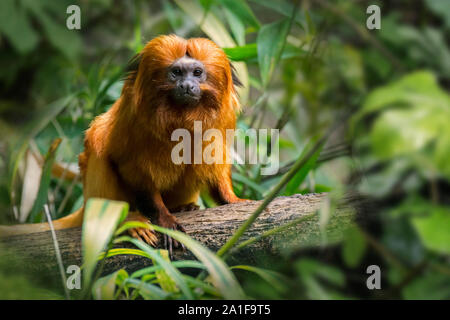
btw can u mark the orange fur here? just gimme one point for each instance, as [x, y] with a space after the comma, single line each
[128, 149]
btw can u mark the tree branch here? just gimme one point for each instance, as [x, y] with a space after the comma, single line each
[212, 227]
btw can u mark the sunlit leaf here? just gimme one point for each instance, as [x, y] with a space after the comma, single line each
[101, 218]
[411, 115]
[434, 229]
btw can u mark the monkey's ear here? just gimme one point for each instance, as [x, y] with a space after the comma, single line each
[132, 68]
[234, 76]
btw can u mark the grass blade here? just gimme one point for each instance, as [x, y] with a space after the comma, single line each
[221, 276]
[44, 184]
[166, 265]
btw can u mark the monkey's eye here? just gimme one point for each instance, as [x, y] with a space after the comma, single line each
[198, 72]
[176, 71]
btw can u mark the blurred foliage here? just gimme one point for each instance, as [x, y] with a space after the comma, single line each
[303, 64]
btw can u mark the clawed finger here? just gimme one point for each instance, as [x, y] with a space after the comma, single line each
[144, 235]
[148, 236]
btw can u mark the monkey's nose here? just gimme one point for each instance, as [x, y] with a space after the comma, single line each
[189, 87]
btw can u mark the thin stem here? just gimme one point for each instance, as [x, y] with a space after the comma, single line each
[57, 252]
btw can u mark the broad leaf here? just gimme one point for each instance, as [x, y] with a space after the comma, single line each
[101, 218]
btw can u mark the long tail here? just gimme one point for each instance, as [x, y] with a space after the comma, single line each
[74, 219]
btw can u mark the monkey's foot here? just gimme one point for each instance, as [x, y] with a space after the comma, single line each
[143, 234]
[168, 221]
[192, 206]
[236, 200]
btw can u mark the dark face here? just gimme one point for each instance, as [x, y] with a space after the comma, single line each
[186, 74]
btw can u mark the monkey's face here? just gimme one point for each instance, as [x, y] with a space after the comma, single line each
[172, 71]
[186, 76]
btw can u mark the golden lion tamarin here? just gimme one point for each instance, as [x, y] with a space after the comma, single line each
[127, 156]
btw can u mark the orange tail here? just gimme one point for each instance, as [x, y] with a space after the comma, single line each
[74, 219]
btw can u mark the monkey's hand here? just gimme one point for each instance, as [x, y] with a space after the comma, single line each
[143, 234]
[168, 221]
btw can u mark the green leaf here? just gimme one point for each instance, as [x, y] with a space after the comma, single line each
[309, 267]
[275, 279]
[146, 290]
[101, 218]
[353, 247]
[119, 251]
[441, 155]
[270, 42]
[237, 27]
[434, 228]
[203, 285]
[431, 222]
[242, 53]
[16, 26]
[164, 280]
[411, 90]
[249, 52]
[66, 41]
[171, 14]
[206, 4]
[440, 8]
[412, 120]
[129, 225]
[221, 276]
[105, 288]
[400, 132]
[430, 286]
[44, 184]
[283, 7]
[241, 9]
[297, 180]
[252, 184]
[178, 264]
[311, 271]
[170, 270]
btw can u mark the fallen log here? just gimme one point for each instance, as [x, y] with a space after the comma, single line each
[211, 227]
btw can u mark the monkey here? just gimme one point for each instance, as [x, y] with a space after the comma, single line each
[170, 84]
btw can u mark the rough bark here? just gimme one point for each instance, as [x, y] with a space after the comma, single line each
[212, 227]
